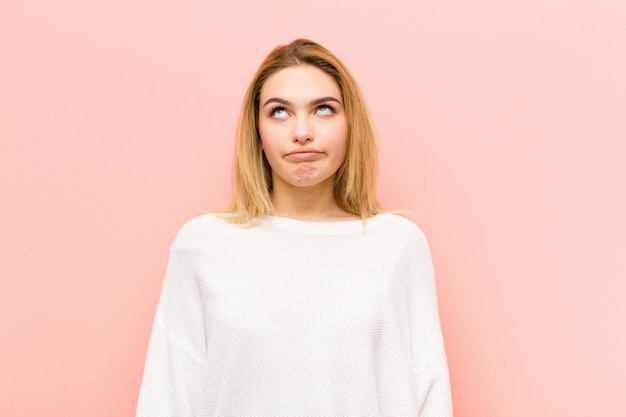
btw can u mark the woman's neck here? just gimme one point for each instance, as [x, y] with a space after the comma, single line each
[316, 203]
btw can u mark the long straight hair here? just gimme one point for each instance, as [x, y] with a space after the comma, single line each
[354, 185]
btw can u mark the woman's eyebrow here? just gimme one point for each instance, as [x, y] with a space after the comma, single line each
[311, 103]
[323, 99]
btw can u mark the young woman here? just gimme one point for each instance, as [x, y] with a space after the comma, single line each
[304, 298]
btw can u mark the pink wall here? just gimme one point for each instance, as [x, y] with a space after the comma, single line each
[502, 124]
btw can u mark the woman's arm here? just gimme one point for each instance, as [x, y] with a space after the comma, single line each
[175, 364]
[429, 358]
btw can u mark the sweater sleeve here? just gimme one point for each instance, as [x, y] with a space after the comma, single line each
[429, 359]
[174, 369]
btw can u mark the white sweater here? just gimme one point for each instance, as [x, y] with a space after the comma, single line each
[297, 319]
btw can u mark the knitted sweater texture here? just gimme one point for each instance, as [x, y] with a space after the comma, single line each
[291, 319]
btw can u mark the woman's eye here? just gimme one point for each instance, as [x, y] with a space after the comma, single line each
[279, 113]
[324, 110]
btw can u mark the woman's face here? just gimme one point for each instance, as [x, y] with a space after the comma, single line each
[303, 126]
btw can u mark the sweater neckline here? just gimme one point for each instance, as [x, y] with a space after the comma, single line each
[326, 227]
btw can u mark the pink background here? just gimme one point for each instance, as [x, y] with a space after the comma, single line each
[502, 126]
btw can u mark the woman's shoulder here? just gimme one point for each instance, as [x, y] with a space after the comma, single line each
[412, 245]
[204, 226]
[402, 224]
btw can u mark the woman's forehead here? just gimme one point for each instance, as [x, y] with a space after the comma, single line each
[300, 82]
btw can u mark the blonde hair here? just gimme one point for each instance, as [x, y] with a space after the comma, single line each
[354, 187]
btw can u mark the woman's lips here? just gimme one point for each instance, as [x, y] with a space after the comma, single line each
[303, 154]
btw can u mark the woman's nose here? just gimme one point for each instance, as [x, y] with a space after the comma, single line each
[303, 132]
